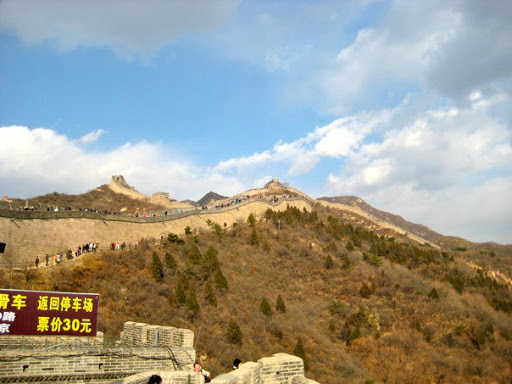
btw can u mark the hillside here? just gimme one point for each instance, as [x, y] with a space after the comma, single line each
[102, 199]
[368, 308]
[417, 229]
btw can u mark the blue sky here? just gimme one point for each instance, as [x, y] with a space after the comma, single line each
[405, 104]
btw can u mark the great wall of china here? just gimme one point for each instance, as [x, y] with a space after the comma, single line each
[141, 351]
[30, 234]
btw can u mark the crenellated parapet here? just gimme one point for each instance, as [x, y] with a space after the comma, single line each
[143, 350]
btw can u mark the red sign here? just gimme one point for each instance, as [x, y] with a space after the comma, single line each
[48, 313]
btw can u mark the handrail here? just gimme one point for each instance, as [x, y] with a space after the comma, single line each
[45, 215]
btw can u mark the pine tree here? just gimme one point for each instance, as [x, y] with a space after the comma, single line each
[170, 262]
[191, 301]
[254, 240]
[180, 291]
[210, 261]
[299, 351]
[158, 269]
[234, 333]
[219, 279]
[433, 294]
[251, 220]
[265, 307]
[193, 254]
[181, 288]
[329, 263]
[280, 306]
[209, 293]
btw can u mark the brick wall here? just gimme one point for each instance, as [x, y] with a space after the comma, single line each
[64, 358]
[31, 233]
[142, 351]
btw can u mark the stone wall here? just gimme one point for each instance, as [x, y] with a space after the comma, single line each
[31, 233]
[143, 350]
[142, 347]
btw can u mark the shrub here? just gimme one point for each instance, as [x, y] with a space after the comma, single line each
[350, 246]
[174, 238]
[265, 307]
[337, 307]
[188, 230]
[366, 290]
[280, 306]
[157, 268]
[216, 228]
[346, 264]
[234, 333]
[372, 259]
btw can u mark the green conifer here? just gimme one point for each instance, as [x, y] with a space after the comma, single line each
[299, 351]
[158, 269]
[234, 333]
[191, 301]
[265, 307]
[193, 254]
[209, 293]
[280, 306]
[254, 240]
[210, 261]
[170, 262]
[219, 279]
[329, 263]
[251, 220]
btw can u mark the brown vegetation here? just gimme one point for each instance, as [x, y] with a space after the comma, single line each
[382, 309]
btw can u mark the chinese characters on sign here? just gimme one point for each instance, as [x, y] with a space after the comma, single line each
[48, 313]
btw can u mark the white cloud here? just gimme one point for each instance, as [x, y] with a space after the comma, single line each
[129, 27]
[242, 162]
[447, 168]
[450, 47]
[91, 137]
[39, 161]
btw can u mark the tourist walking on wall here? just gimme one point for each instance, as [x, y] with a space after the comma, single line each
[207, 376]
[37, 261]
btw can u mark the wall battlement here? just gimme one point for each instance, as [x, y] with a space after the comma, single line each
[31, 234]
[142, 351]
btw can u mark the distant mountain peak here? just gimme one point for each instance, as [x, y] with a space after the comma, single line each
[209, 198]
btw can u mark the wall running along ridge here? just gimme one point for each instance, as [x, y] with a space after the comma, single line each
[29, 234]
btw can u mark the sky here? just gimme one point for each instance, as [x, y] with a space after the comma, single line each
[406, 104]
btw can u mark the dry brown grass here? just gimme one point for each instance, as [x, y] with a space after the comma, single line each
[416, 338]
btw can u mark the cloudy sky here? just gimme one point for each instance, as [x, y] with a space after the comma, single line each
[407, 104]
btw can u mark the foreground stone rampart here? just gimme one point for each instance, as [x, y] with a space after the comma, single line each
[143, 350]
[142, 347]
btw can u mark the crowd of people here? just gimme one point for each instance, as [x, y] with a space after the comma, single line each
[68, 254]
